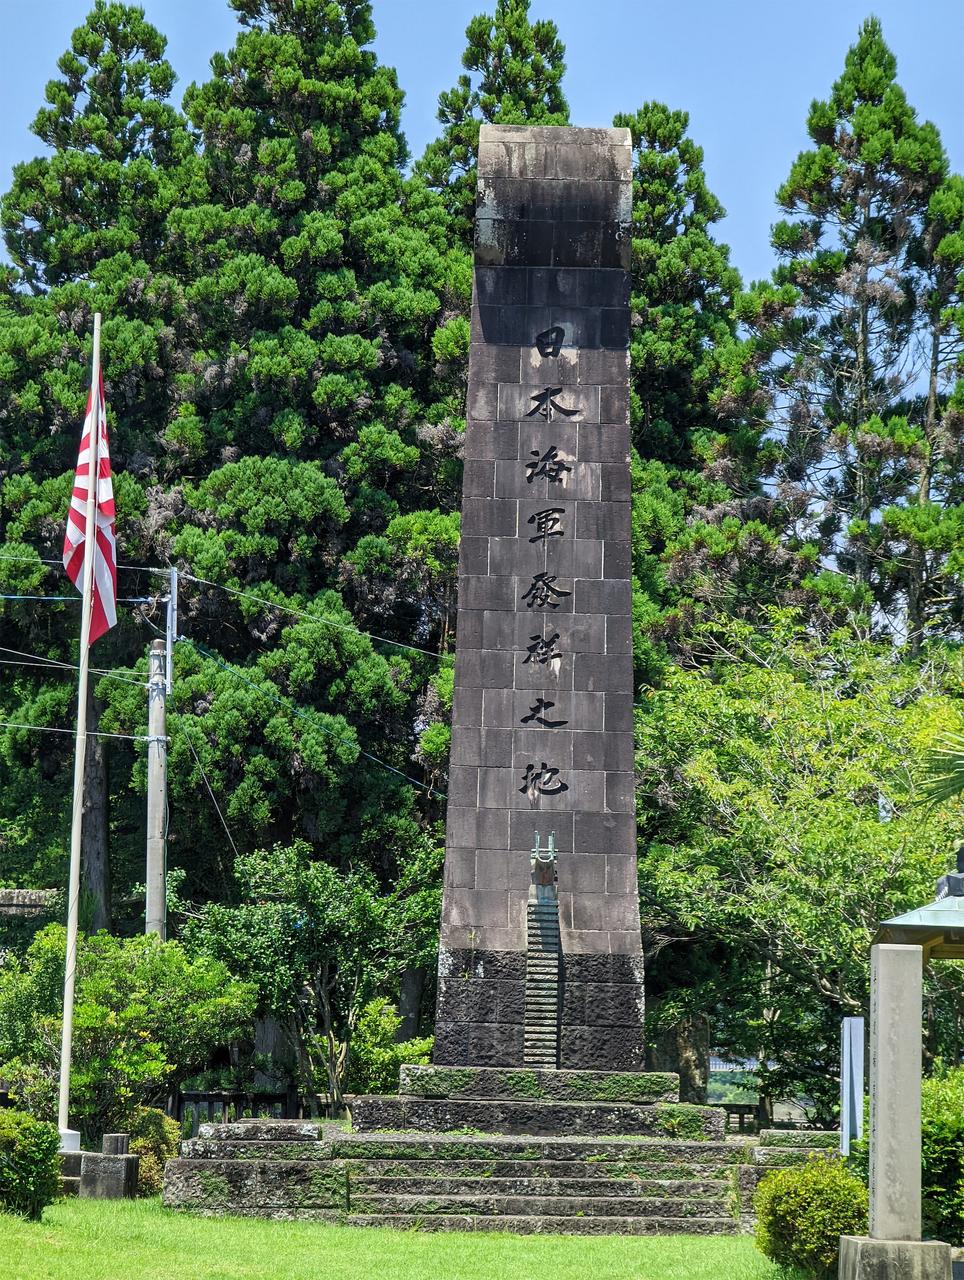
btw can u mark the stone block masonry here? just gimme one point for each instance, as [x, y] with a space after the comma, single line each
[542, 733]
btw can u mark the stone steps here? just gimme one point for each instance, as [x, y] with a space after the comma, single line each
[551, 1225]
[533, 1117]
[641, 1173]
[570, 1185]
[495, 1146]
[539, 1206]
[446, 1181]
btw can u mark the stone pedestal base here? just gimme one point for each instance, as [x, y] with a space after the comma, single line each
[104, 1177]
[864, 1259]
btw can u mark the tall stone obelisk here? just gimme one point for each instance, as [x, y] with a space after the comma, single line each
[542, 734]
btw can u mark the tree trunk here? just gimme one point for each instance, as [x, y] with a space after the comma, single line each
[685, 1049]
[410, 1003]
[917, 557]
[95, 834]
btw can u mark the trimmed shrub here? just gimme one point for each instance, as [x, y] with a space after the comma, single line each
[376, 1056]
[29, 1164]
[942, 1152]
[155, 1137]
[802, 1211]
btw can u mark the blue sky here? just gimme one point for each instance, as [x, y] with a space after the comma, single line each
[745, 70]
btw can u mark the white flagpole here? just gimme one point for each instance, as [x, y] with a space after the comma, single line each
[69, 1140]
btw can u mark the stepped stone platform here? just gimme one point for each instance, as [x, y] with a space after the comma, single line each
[659, 1166]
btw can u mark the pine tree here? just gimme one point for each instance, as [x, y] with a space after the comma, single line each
[519, 66]
[854, 326]
[694, 404]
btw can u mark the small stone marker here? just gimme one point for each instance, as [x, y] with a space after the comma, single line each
[110, 1174]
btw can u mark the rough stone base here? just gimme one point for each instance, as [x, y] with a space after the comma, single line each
[864, 1259]
[108, 1177]
[515, 1084]
[481, 1011]
[472, 1182]
[539, 1118]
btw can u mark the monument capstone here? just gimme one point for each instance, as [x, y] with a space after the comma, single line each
[542, 733]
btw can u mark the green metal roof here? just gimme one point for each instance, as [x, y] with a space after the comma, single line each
[938, 928]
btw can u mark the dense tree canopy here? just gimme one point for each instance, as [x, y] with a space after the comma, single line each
[285, 341]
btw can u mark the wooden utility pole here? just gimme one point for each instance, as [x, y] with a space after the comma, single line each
[157, 792]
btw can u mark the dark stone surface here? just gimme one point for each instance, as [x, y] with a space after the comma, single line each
[509, 1083]
[617, 1048]
[547, 440]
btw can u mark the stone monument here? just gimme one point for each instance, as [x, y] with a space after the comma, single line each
[542, 733]
[537, 1114]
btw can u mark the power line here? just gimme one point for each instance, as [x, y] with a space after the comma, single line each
[71, 666]
[190, 747]
[91, 733]
[234, 591]
[79, 599]
[297, 711]
[133, 568]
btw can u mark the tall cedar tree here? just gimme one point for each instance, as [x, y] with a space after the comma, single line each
[278, 421]
[858, 330]
[85, 230]
[518, 68]
[318, 281]
[693, 401]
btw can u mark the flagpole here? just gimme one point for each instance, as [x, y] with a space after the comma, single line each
[69, 1140]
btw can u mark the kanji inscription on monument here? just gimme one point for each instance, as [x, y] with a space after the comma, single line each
[542, 733]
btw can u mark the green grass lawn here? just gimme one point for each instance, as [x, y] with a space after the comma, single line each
[138, 1240]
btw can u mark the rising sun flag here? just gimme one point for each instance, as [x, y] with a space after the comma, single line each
[104, 593]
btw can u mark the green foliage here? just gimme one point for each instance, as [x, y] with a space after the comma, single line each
[942, 1155]
[802, 1212]
[942, 1172]
[280, 414]
[519, 66]
[376, 1052]
[318, 943]
[145, 1016]
[784, 826]
[155, 1137]
[693, 398]
[29, 1164]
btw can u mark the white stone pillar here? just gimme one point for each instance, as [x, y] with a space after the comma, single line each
[896, 979]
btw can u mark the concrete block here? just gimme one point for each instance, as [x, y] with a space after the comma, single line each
[864, 1259]
[108, 1177]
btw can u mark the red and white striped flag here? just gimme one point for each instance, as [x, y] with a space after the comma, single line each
[104, 604]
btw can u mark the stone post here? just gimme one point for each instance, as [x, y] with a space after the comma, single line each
[894, 1250]
[896, 974]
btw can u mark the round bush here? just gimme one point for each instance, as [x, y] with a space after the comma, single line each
[155, 1137]
[802, 1212]
[29, 1164]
